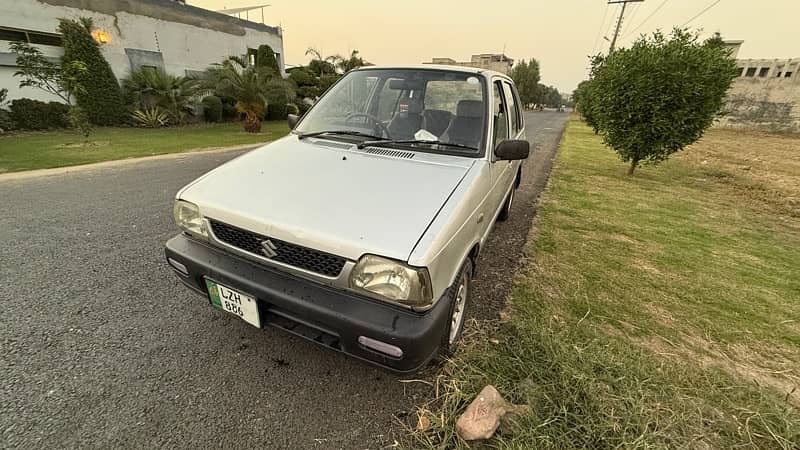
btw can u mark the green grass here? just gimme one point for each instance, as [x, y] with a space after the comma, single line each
[42, 150]
[660, 310]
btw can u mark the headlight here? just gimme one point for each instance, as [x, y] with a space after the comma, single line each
[188, 218]
[392, 280]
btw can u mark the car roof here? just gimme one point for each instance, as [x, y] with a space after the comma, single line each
[474, 70]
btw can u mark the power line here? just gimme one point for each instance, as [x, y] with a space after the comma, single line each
[701, 13]
[636, 9]
[600, 31]
[647, 18]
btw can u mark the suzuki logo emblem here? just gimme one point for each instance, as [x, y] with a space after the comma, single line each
[269, 249]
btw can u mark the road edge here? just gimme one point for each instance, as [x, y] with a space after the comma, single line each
[36, 173]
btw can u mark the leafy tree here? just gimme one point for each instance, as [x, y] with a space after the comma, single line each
[148, 88]
[660, 95]
[548, 95]
[101, 97]
[526, 77]
[265, 57]
[582, 98]
[38, 72]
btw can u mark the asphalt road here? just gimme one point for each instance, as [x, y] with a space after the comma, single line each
[103, 347]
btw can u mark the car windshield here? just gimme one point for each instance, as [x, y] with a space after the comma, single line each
[430, 110]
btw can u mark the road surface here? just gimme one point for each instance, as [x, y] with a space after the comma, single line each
[103, 347]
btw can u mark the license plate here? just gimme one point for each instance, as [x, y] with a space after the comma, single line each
[234, 302]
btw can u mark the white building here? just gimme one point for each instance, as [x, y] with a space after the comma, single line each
[167, 34]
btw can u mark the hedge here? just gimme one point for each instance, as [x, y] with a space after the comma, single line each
[101, 97]
[28, 114]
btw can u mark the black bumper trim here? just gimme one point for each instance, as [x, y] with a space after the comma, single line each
[330, 317]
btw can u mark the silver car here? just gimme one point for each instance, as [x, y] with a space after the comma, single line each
[360, 229]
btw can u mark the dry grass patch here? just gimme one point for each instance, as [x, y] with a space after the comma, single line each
[656, 311]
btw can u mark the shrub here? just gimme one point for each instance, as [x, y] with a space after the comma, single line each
[154, 117]
[148, 88]
[212, 108]
[291, 108]
[6, 124]
[327, 81]
[101, 97]
[265, 57]
[302, 106]
[229, 111]
[30, 114]
[278, 94]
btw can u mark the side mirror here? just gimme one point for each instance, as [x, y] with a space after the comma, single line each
[511, 150]
[292, 119]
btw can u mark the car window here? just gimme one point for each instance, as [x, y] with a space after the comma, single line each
[396, 104]
[445, 95]
[388, 100]
[500, 117]
[513, 108]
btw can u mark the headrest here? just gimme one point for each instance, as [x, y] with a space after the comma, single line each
[470, 108]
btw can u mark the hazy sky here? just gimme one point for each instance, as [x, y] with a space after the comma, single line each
[559, 33]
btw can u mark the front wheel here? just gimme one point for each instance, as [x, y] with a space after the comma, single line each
[461, 291]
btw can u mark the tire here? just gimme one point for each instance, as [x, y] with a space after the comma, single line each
[459, 300]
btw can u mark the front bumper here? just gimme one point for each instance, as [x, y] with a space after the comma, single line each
[331, 317]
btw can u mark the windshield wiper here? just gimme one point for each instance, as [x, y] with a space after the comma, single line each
[340, 132]
[414, 141]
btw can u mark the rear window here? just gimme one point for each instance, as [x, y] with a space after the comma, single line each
[445, 95]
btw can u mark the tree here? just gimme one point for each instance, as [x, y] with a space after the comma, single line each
[250, 86]
[60, 80]
[101, 97]
[526, 77]
[659, 96]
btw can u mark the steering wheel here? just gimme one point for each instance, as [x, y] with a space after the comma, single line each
[378, 124]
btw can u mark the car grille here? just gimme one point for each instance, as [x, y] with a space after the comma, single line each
[283, 252]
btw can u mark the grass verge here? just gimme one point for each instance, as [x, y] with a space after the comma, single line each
[43, 150]
[659, 310]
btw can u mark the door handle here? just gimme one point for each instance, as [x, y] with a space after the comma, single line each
[480, 218]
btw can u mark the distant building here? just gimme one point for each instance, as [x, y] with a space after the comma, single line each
[165, 34]
[490, 61]
[766, 93]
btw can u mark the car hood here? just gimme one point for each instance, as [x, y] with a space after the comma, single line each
[330, 196]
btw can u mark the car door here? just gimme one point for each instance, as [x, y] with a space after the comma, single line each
[501, 171]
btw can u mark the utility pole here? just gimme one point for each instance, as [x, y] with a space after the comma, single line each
[619, 21]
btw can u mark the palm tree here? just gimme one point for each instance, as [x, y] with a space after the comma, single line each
[150, 88]
[248, 85]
